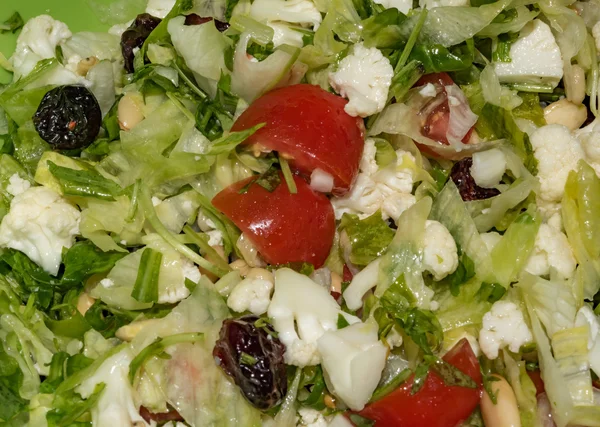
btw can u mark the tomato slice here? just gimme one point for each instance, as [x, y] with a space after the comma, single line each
[436, 404]
[436, 124]
[536, 377]
[310, 127]
[283, 227]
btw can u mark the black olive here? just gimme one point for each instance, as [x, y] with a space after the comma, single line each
[193, 19]
[135, 36]
[68, 117]
[254, 360]
[469, 190]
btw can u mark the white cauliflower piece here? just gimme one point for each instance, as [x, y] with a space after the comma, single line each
[39, 224]
[208, 226]
[490, 239]
[353, 360]
[17, 185]
[364, 78]
[364, 199]
[557, 152]
[115, 406]
[300, 302]
[585, 316]
[37, 41]
[488, 167]
[388, 189]
[251, 294]
[552, 251]
[440, 254]
[503, 326]
[159, 8]
[535, 57]
[311, 418]
[303, 12]
[403, 6]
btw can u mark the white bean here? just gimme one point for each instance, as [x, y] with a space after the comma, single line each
[505, 413]
[565, 113]
[241, 266]
[86, 65]
[129, 111]
[336, 282]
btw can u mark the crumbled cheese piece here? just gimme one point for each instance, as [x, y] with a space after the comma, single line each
[552, 251]
[440, 254]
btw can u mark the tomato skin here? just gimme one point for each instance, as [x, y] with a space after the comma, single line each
[436, 124]
[436, 404]
[283, 227]
[309, 125]
[536, 378]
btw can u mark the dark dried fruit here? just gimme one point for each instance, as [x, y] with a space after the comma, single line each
[469, 190]
[135, 36]
[161, 417]
[193, 19]
[254, 360]
[68, 117]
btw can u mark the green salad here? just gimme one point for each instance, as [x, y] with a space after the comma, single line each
[318, 213]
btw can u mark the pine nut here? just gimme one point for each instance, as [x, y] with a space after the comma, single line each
[129, 111]
[577, 89]
[260, 273]
[84, 302]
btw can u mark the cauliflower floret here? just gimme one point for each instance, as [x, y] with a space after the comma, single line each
[488, 167]
[503, 326]
[115, 406]
[557, 153]
[252, 294]
[364, 77]
[37, 41]
[39, 224]
[535, 57]
[586, 317]
[311, 418]
[302, 12]
[440, 255]
[298, 301]
[159, 8]
[208, 226]
[388, 189]
[490, 239]
[353, 360]
[552, 251]
[402, 5]
[17, 185]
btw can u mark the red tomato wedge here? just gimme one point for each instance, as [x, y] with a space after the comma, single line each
[310, 127]
[436, 123]
[536, 378]
[436, 404]
[283, 227]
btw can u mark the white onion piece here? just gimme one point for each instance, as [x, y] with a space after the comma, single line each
[462, 119]
[321, 181]
[249, 252]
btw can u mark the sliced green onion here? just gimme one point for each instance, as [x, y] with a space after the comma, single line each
[133, 201]
[198, 240]
[287, 175]
[412, 39]
[158, 347]
[146, 283]
[146, 203]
